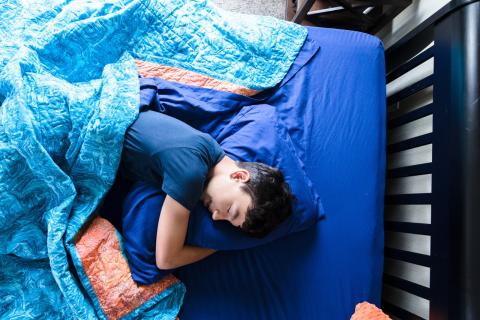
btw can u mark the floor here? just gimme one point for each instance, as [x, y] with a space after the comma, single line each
[274, 8]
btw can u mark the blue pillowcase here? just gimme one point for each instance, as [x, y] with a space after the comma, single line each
[254, 134]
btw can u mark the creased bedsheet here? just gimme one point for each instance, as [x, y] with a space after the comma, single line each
[68, 91]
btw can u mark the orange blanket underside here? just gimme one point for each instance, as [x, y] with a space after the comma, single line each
[98, 248]
[155, 70]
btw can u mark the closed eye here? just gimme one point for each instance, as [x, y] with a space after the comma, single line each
[235, 215]
[232, 218]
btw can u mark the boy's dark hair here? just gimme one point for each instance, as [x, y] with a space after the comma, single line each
[271, 199]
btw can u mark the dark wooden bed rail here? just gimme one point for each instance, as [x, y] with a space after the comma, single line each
[454, 230]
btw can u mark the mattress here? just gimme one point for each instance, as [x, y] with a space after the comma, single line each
[333, 104]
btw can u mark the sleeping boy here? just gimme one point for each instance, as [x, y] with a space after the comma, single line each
[190, 166]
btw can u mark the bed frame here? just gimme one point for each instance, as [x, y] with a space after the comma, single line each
[432, 227]
[366, 15]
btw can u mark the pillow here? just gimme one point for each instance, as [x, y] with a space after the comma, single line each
[254, 134]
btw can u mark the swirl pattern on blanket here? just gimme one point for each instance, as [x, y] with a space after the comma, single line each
[68, 91]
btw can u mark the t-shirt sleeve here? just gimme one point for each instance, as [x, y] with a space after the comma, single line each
[217, 153]
[185, 172]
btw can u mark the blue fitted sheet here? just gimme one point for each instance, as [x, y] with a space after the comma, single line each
[334, 108]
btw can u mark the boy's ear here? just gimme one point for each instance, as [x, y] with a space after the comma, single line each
[240, 175]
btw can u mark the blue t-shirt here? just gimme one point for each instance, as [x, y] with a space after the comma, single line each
[167, 151]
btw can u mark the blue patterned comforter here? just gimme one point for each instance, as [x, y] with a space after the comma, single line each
[68, 91]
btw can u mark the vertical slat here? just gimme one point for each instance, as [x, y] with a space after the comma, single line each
[410, 302]
[408, 271]
[411, 103]
[418, 73]
[410, 185]
[410, 157]
[416, 243]
[413, 213]
[413, 129]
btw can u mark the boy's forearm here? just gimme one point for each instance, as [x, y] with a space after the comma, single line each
[171, 251]
[189, 254]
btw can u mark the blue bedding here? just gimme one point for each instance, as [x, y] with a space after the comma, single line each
[333, 105]
[68, 91]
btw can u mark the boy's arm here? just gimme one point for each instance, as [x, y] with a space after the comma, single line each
[171, 251]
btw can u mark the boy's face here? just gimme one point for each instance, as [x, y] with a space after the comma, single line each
[225, 199]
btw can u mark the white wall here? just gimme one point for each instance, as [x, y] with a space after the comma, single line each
[411, 17]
